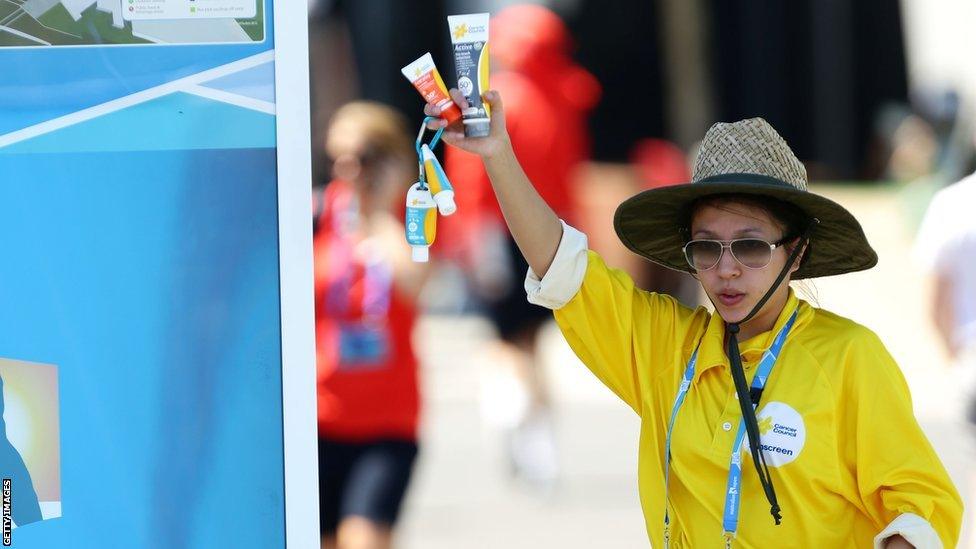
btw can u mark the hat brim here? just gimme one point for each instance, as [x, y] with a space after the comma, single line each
[651, 224]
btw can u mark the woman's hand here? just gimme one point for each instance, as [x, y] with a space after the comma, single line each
[531, 221]
[897, 542]
[488, 147]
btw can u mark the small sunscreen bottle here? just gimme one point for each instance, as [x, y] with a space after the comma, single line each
[420, 221]
[440, 187]
[424, 76]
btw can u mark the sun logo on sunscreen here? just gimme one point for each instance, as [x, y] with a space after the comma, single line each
[765, 424]
[460, 31]
[414, 202]
[417, 71]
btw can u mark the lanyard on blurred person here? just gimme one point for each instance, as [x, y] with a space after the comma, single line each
[730, 520]
[361, 316]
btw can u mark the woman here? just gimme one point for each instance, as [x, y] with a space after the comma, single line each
[817, 411]
[365, 289]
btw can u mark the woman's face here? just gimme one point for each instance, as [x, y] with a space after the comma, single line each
[382, 178]
[733, 288]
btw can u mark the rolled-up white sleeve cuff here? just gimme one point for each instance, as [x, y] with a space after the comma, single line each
[915, 529]
[565, 275]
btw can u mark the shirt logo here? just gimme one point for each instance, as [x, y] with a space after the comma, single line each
[782, 433]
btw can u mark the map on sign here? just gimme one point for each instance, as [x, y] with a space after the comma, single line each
[40, 23]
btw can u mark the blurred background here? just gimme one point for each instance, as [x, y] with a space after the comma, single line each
[519, 446]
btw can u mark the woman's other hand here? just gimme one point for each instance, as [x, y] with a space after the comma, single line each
[897, 542]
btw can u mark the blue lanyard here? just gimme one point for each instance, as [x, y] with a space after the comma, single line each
[730, 521]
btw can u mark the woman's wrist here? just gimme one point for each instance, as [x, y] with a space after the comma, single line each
[502, 152]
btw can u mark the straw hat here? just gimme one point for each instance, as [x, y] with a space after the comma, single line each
[744, 157]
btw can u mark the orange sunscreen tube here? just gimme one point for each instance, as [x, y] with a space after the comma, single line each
[423, 74]
[440, 187]
[421, 222]
[469, 36]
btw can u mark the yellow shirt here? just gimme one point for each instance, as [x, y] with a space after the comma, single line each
[844, 450]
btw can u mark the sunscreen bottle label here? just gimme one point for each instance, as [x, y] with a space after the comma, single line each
[469, 35]
[420, 222]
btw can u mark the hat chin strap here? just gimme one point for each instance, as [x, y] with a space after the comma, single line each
[748, 399]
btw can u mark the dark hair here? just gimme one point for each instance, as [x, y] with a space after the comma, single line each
[792, 218]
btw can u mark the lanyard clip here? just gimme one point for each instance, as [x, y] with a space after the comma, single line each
[728, 539]
[667, 536]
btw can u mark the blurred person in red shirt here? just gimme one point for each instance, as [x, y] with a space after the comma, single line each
[365, 291]
[548, 98]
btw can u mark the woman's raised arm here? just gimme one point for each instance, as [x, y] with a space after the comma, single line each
[532, 222]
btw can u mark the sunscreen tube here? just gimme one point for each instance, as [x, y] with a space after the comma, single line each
[440, 187]
[420, 222]
[469, 35]
[423, 74]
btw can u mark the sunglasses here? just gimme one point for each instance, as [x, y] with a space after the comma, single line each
[754, 253]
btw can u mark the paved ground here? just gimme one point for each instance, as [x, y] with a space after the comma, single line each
[462, 496]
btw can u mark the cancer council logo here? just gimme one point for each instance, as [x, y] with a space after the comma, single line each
[30, 464]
